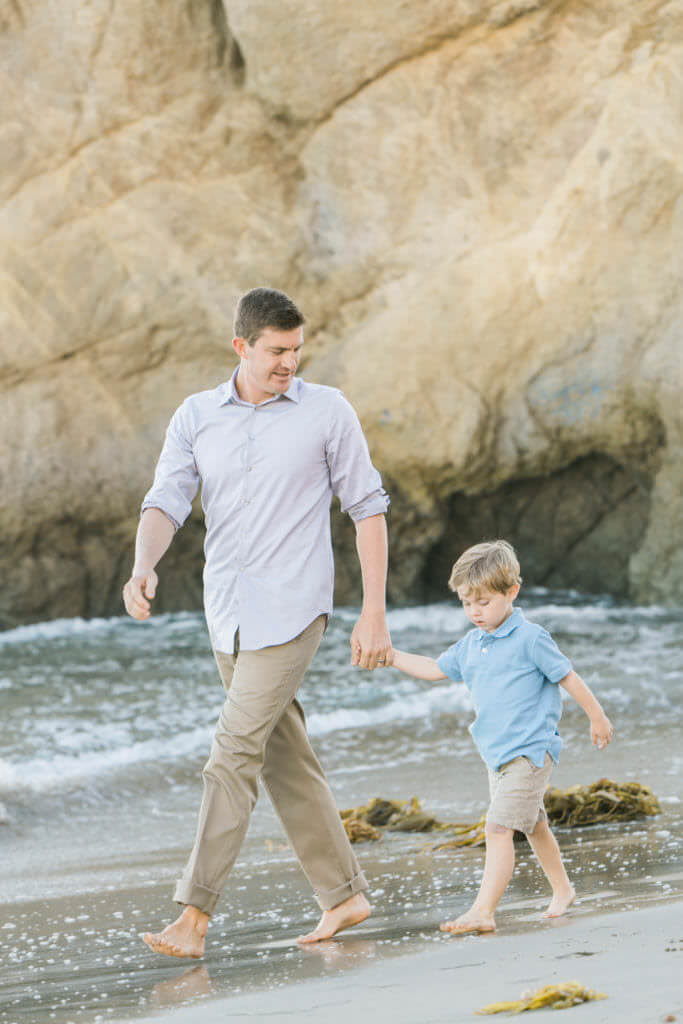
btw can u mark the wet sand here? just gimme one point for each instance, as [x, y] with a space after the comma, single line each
[98, 826]
[633, 957]
[76, 956]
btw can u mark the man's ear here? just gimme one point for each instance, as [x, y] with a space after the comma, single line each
[241, 346]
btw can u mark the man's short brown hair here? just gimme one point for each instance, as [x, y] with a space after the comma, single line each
[492, 565]
[265, 307]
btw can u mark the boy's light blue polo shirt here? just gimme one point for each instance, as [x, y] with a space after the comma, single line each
[512, 674]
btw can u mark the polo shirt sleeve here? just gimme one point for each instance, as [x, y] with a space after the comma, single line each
[547, 657]
[176, 479]
[449, 663]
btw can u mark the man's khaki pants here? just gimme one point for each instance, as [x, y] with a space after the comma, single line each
[261, 732]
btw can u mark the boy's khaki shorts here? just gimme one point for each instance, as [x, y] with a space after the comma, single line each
[517, 790]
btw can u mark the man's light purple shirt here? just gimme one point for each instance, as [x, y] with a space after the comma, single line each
[268, 473]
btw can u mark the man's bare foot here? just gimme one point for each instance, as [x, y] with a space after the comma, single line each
[344, 915]
[184, 938]
[469, 923]
[561, 902]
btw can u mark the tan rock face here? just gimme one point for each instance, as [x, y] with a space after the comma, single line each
[478, 205]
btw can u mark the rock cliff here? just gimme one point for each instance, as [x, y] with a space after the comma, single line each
[476, 203]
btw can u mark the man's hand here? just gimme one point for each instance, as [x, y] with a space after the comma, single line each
[138, 592]
[371, 642]
[155, 533]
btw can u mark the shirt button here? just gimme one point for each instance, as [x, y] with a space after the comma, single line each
[249, 469]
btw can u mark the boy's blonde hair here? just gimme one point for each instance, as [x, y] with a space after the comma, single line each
[492, 565]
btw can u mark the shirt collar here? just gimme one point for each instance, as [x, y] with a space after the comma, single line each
[227, 392]
[505, 628]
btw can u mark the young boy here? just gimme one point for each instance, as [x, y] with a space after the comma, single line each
[512, 668]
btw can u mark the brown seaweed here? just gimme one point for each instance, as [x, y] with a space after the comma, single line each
[601, 801]
[393, 815]
[559, 997]
[465, 835]
[359, 831]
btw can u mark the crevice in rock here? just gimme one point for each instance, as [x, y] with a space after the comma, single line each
[433, 45]
[228, 50]
[238, 65]
[221, 30]
[468, 35]
[222, 33]
[506, 13]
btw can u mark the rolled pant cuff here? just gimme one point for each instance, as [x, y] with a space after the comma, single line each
[333, 897]
[193, 895]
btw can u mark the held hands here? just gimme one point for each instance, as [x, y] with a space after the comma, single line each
[371, 642]
[138, 592]
[601, 730]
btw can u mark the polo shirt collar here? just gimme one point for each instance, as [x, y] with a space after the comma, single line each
[507, 627]
[227, 392]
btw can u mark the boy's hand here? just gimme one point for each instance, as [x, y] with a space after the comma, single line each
[601, 731]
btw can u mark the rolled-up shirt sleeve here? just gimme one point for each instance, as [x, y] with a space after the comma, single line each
[176, 478]
[354, 479]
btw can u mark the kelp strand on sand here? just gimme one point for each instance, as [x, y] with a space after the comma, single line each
[601, 801]
[558, 997]
[465, 835]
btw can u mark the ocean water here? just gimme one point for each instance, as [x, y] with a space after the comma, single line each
[106, 724]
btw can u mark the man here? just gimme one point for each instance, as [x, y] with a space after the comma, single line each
[269, 450]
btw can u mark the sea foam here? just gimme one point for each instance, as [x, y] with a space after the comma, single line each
[70, 771]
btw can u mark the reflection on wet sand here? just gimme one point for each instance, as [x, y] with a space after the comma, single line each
[191, 983]
[342, 953]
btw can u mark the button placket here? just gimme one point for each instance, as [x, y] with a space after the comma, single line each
[251, 439]
[245, 500]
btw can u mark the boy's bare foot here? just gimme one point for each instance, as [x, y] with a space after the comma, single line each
[468, 924]
[344, 915]
[561, 902]
[184, 938]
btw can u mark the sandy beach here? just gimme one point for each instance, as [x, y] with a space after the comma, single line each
[633, 957]
[77, 956]
[109, 726]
